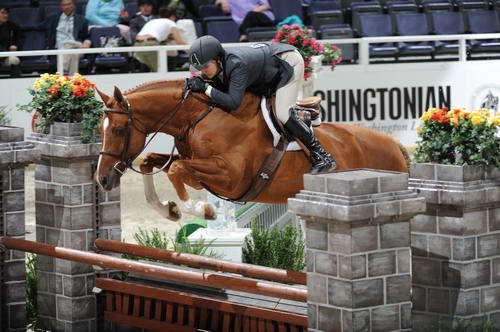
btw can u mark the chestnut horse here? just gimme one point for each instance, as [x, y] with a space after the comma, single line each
[224, 150]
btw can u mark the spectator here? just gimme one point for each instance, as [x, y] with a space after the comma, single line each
[159, 31]
[251, 13]
[10, 38]
[106, 13]
[67, 30]
[144, 15]
[224, 5]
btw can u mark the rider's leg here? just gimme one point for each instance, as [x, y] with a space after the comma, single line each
[286, 98]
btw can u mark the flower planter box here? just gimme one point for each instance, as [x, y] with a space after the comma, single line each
[456, 244]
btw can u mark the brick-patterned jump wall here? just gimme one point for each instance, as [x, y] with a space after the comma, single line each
[71, 212]
[358, 249]
[456, 245]
[15, 154]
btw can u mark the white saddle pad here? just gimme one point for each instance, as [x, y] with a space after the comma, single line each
[293, 146]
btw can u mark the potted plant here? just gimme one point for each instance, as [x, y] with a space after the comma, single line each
[62, 98]
[312, 51]
[458, 137]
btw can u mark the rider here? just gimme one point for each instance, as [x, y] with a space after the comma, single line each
[263, 69]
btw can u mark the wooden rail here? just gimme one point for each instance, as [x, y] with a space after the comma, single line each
[166, 310]
[169, 273]
[248, 270]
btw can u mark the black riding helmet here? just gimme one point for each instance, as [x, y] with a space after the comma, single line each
[203, 50]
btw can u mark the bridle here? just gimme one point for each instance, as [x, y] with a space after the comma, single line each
[125, 162]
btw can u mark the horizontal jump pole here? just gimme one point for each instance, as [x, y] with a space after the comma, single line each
[202, 262]
[164, 272]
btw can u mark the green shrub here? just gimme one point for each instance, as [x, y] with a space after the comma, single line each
[31, 290]
[279, 248]
[4, 116]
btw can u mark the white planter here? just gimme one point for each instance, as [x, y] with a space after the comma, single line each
[227, 243]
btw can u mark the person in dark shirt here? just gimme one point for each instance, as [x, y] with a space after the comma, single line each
[67, 30]
[10, 38]
[145, 14]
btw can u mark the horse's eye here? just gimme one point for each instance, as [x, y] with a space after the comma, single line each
[118, 131]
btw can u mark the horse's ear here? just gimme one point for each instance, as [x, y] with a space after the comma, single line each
[105, 98]
[119, 97]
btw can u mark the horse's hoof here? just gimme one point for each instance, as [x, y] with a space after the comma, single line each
[174, 213]
[210, 213]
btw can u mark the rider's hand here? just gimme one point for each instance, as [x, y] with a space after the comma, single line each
[197, 85]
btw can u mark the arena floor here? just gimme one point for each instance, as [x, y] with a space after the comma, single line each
[135, 211]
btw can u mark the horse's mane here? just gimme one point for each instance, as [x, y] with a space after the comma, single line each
[160, 84]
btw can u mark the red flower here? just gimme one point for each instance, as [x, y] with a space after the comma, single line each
[53, 89]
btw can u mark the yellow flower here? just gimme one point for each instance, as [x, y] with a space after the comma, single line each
[495, 120]
[427, 115]
[37, 84]
[476, 120]
[419, 130]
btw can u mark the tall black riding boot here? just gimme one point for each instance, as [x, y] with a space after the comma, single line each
[322, 161]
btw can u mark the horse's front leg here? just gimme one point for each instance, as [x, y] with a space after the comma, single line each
[190, 172]
[157, 160]
[167, 209]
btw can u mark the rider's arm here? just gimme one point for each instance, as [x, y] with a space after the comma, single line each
[238, 77]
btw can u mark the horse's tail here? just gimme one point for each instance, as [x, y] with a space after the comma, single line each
[405, 154]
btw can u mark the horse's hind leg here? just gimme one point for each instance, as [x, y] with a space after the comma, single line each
[183, 172]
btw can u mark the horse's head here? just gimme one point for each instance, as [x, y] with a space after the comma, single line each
[123, 138]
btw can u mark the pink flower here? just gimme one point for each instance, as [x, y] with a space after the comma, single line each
[285, 26]
[295, 26]
[305, 42]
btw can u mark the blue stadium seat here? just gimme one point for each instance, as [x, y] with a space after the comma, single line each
[108, 62]
[132, 8]
[324, 12]
[378, 25]
[483, 21]
[16, 3]
[447, 23]
[259, 34]
[34, 41]
[340, 31]
[472, 4]
[210, 10]
[401, 6]
[285, 8]
[413, 24]
[28, 18]
[225, 31]
[359, 8]
[51, 10]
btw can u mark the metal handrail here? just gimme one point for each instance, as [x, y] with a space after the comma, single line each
[164, 272]
[364, 43]
[248, 270]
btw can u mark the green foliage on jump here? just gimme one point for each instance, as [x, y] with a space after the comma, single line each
[4, 116]
[278, 248]
[31, 291]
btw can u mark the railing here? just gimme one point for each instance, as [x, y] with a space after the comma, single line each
[164, 272]
[168, 310]
[364, 44]
[248, 270]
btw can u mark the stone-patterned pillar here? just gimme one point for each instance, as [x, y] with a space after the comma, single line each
[71, 211]
[456, 245]
[358, 249]
[15, 154]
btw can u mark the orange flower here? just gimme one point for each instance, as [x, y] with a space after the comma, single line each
[53, 89]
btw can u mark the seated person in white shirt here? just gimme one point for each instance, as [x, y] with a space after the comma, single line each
[159, 31]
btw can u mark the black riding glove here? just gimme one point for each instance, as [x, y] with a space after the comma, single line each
[197, 85]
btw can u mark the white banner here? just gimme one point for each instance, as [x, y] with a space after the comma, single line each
[391, 97]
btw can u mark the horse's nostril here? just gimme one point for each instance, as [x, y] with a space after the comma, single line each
[103, 180]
